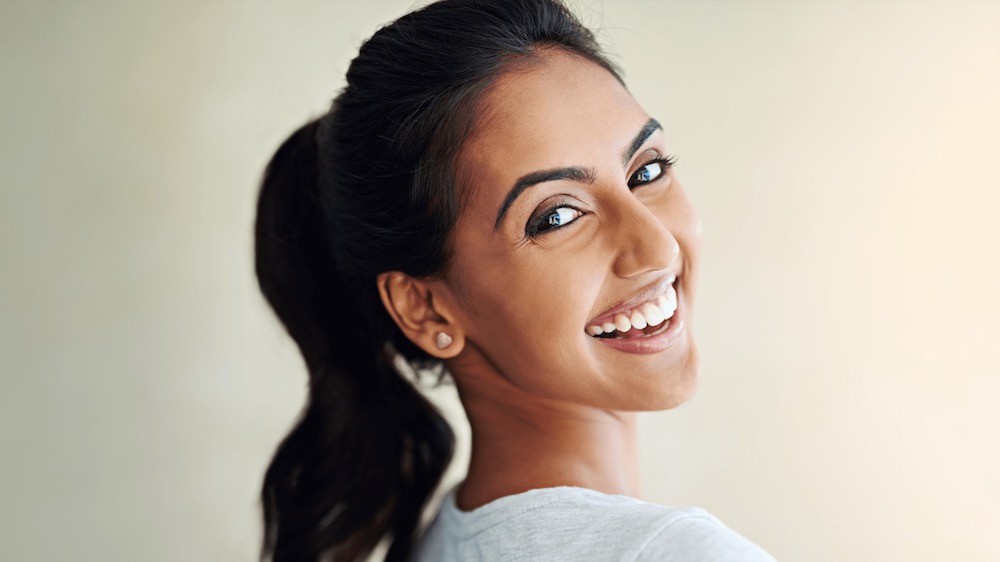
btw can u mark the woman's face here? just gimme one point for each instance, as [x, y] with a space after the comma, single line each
[575, 229]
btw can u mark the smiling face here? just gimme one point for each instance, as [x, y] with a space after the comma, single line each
[574, 243]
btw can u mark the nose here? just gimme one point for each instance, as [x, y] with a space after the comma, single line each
[643, 241]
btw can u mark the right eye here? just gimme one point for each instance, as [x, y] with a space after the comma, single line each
[551, 219]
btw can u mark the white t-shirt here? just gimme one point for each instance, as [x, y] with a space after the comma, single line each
[580, 525]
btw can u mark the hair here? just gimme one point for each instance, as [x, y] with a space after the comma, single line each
[372, 187]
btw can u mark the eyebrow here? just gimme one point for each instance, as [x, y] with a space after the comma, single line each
[573, 173]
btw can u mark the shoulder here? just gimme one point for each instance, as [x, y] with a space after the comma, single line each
[624, 528]
[697, 536]
[582, 525]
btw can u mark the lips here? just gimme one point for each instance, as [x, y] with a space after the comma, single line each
[670, 334]
[644, 315]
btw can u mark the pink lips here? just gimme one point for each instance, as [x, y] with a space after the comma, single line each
[665, 339]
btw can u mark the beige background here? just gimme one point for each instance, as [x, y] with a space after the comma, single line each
[844, 156]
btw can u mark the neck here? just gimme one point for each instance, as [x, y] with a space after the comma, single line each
[521, 442]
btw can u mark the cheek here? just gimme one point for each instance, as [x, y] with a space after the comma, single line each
[543, 294]
[528, 315]
[688, 230]
[681, 218]
[689, 222]
[692, 232]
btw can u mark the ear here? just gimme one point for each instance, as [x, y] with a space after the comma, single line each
[423, 319]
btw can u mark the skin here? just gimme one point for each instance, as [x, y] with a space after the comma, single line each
[550, 405]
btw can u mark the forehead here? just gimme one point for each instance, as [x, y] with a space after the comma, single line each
[560, 110]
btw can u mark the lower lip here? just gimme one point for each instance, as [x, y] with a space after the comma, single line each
[651, 344]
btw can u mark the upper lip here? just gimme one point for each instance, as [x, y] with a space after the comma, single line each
[649, 292]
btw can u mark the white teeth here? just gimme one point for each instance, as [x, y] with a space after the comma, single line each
[622, 323]
[671, 297]
[653, 314]
[638, 320]
[667, 306]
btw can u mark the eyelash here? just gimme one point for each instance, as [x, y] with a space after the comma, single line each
[665, 163]
[537, 225]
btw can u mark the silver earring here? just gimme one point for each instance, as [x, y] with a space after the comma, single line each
[443, 340]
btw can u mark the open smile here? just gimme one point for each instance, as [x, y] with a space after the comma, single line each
[645, 324]
[644, 319]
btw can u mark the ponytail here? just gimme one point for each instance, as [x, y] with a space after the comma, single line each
[368, 450]
[372, 187]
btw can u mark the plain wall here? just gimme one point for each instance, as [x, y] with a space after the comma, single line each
[844, 158]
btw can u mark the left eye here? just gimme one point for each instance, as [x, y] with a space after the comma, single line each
[560, 216]
[649, 173]
[551, 219]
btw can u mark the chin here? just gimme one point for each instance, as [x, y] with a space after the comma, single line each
[676, 390]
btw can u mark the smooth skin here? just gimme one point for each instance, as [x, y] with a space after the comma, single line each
[550, 405]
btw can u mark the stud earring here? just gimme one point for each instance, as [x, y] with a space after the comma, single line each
[443, 340]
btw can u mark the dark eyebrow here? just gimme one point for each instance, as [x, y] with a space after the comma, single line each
[647, 131]
[575, 173]
[534, 178]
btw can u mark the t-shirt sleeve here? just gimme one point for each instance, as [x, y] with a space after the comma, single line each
[700, 538]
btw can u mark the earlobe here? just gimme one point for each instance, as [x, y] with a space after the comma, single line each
[423, 320]
[443, 340]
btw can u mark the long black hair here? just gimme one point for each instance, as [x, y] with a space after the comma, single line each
[367, 188]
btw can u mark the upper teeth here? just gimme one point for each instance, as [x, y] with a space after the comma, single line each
[646, 314]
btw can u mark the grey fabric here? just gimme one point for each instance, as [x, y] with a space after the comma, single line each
[580, 525]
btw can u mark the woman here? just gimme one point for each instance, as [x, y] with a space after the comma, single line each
[484, 195]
